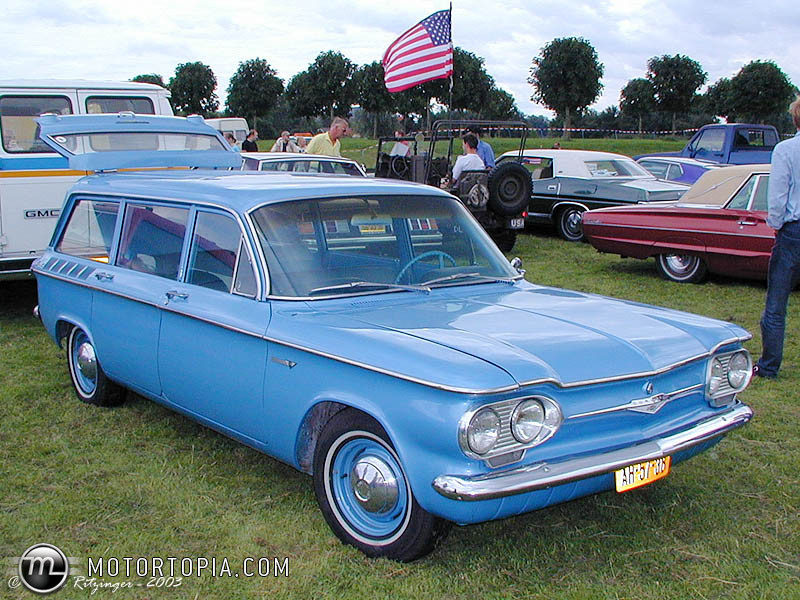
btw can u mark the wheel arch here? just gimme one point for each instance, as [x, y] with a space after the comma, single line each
[559, 206]
[65, 324]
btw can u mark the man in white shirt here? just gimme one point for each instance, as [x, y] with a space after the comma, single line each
[469, 161]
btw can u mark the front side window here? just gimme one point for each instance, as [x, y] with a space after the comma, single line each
[762, 193]
[214, 254]
[89, 230]
[18, 120]
[319, 248]
[117, 104]
[152, 239]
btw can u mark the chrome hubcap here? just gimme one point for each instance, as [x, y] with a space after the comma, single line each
[680, 263]
[374, 485]
[87, 361]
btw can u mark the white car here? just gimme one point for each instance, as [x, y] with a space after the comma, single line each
[301, 162]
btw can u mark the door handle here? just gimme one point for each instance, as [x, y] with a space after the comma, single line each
[751, 223]
[172, 294]
[102, 275]
[552, 187]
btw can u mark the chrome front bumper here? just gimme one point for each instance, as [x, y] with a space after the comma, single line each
[544, 475]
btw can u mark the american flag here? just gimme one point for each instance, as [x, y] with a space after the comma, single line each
[422, 53]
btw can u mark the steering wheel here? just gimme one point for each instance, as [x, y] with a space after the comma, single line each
[442, 256]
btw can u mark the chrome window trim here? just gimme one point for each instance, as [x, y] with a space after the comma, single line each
[426, 383]
[137, 198]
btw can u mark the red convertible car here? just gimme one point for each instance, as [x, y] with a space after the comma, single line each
[718, 226]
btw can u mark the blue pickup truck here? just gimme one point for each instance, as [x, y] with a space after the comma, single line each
[730, 143]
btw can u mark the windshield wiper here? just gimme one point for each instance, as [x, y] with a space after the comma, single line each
[371, 284]
[464, 275]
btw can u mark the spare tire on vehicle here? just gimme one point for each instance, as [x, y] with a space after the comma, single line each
[509, 189]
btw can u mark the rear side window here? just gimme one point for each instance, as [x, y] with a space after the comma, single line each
[17, 120]
[152, 239]
[115, 104]
[89, 231]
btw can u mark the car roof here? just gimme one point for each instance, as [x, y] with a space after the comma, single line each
[684, 160]
[80, 84]
[297, 155]
[242, 190]
[716, 186]
[563, 153]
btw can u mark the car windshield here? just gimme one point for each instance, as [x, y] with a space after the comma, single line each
[374, 244]
[615, 167]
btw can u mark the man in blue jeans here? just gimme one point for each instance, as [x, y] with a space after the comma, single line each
[784, 264]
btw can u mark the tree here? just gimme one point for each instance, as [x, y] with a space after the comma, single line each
[150, 78]
[675, 80]
[759, 91]
[371, 92]
[566, 77]
[501, 106]
[637, 99]
[193, 88]
[717, 99]
[254, 89]
[325, 87]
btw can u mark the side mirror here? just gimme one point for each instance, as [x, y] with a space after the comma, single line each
[516, 262]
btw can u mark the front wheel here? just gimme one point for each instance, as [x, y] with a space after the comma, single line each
[364, 493]
[90, 382]
[569, 223]
[683, 268]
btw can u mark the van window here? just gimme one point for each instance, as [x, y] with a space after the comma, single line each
[89, 231]
[152, 239]
[116, 104]
[17, 120]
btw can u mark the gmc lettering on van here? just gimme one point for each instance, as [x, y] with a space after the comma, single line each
[42, 213]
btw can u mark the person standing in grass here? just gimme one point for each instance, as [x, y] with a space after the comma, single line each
[327, 142]
[783, 215]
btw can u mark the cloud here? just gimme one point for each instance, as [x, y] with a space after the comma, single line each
[88, 39]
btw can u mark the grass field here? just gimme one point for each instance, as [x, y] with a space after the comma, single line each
[142, 481]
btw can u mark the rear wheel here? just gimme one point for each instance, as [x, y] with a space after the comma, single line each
[569, 223]
[90, 382]
[364, 493]
[683, 268]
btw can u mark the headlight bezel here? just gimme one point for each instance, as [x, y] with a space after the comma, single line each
[719, 385]
[507, 443]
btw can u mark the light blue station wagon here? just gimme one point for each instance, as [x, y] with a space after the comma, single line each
[366, 332]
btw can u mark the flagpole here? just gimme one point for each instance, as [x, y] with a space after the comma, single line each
[450, 106]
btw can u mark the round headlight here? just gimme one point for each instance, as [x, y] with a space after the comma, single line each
[715, 379]
[527, 420]
[738, 370]
[483, 430]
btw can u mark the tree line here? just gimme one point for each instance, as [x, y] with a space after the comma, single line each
[565, 77]
[330, 86]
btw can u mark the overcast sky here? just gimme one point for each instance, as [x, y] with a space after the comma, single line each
[92, 39]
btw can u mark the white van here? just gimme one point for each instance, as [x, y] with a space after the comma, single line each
[234, 125]
[33, 178]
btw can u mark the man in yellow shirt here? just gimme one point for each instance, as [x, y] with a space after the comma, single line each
[327, 143]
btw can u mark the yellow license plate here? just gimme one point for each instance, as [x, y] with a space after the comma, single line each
[634, 476]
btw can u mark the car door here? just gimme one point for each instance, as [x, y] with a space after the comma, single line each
[741, 242]
[126, 315]
[710, 145]
[211, 352]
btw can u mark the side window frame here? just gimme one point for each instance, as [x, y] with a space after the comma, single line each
[88, 99]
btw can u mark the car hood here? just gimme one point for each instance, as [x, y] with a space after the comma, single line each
[492, 336]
